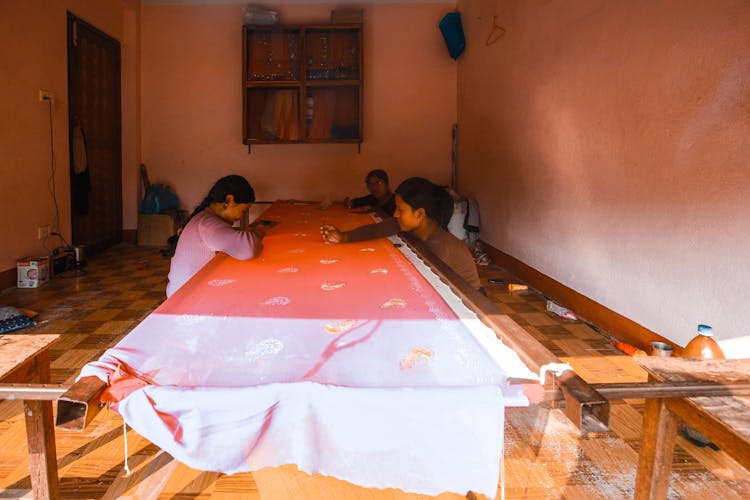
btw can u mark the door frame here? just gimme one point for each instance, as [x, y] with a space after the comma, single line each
[73, 22]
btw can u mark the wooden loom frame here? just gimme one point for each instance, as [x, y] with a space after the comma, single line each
[586, 405]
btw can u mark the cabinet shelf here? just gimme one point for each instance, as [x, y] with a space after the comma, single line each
[302, 83]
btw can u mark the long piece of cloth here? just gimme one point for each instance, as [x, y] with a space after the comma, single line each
[339, 358]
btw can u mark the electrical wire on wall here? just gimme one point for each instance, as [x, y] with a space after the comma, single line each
[64, 246]
[51, 186]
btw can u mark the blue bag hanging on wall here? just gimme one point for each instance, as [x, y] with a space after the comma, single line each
[158, 199]
[453, 34]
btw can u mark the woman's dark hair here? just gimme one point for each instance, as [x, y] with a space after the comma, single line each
[418, 192]
[379, 174]
[236, 185]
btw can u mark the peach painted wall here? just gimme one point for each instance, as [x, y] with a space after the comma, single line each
[607, 143]
[33, 52]
[192, 103]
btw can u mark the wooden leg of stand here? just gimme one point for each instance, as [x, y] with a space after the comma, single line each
[657, 449]
[40, 433]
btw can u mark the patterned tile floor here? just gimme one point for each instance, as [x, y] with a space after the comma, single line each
[545, 457]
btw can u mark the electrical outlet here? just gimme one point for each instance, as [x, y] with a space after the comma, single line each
[43, 232]
[46, 95]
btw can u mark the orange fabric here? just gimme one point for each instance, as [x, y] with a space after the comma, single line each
[121, 383]
[312, 278]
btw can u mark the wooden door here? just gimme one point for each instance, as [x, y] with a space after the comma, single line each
[94, 109]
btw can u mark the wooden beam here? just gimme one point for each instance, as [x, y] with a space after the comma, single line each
[723, 434]
[583, 405]
[80, 404]
[651, 390]
[690, 389]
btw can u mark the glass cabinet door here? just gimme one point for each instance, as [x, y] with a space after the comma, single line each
[302, 84]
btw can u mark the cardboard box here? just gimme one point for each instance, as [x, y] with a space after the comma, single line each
[153, 230]
[33, 272]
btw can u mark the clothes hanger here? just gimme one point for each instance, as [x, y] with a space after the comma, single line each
[496, 33]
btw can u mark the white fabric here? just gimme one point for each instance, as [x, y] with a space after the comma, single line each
[556, 368]
[456, 223]
[432, 428]
[427, 440]
[410, 402]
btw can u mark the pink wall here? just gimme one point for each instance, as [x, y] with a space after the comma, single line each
[34, 56]
[181, 82]
[608, 145]
[192, 100]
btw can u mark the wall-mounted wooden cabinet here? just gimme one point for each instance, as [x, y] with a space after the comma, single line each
[302, 84]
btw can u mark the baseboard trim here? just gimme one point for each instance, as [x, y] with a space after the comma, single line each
[8, 278]
[618, 325]
[130, 236]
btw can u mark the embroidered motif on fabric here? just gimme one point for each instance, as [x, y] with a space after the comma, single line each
[416, 355]
[368, 249]
[328, 261]
[297, 250]
[332, 286]
[220, 282]
[188, 320]
[277, 301]
[335, 328]
[379, 270]
[266, 347]
[393, 303]
[288, 270]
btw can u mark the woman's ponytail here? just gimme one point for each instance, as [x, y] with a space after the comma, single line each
[236, 185]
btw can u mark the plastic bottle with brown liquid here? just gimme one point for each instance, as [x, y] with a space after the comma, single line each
[703, 345]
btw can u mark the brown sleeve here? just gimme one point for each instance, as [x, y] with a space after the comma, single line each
[456, 255]
[386, 227]
[465, 267]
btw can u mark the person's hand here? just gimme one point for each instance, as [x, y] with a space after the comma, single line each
[258, 229]
[331, 234]
[348, 202]
[534, 393]
[362, 210]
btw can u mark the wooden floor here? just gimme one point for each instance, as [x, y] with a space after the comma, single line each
[544, 455]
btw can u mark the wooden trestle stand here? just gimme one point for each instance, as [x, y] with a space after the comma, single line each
[722, 412]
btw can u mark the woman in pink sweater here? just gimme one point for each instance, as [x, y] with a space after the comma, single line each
[210, 229]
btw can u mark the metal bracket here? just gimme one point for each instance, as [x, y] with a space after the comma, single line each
[584, 406]
[80, 404]
[32, 392]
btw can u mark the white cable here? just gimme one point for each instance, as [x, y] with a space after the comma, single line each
[556, 368]
[125, 438]
[502, 471]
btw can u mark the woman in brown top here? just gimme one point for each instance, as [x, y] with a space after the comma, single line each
[424, 209]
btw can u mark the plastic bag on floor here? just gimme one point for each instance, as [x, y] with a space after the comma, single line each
[561, 311]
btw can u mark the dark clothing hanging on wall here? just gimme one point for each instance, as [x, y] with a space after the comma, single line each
[80, 180]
